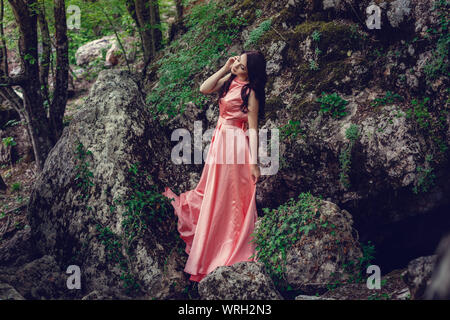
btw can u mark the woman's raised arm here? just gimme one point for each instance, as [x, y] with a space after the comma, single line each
[216, 81]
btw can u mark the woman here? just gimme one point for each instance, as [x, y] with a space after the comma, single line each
[216, 218]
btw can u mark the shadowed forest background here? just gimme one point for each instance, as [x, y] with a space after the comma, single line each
[86, 116]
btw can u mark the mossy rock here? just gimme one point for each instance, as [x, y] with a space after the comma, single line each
[299, 110]
[323, 79]
[271, 35]
[332, 34]
[273, 104]
[378, 2]
[336, 40]
[318, 16]
[248, 9]
[290, 16]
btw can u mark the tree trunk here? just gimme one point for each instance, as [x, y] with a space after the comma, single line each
[35, 113]
[144, 22]
[8, 93]
[43, 133]
[4, 66]
[179, 6]
[59, 101]
[178, 24]
[155, 21]
[3, 185]
[46, 51]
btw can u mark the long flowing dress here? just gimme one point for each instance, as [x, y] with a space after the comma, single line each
[216, 219]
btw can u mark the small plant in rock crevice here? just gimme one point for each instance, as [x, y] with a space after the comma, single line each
[9, 142]
[83, 174]
[425, 176]
[345, 156]
[438, 64]
[257, 33]
[388, 98]
[333, 104]
[314, 63]
[291, 130]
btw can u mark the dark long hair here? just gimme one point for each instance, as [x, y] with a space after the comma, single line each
[257, 77]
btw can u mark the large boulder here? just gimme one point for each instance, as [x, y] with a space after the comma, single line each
[240, 281]
[92, 205]
[113, 52]
[319, 258]
[93, 50]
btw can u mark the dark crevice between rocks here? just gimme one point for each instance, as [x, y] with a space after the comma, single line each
[397, 243]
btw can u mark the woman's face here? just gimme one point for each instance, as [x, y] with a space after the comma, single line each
[239, 66]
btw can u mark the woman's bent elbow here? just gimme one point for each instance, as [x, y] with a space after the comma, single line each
[203, 91]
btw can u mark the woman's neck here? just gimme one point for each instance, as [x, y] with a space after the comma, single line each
[242, 80]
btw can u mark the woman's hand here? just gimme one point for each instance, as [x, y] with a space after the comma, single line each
[230, 62]
[255, 173]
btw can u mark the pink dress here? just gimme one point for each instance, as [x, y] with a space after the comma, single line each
[216, 219]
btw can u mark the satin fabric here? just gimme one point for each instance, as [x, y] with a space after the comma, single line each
[217, 217]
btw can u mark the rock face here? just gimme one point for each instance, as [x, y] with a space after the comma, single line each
[305, 297]
[240, 281]
[15, 251]
[439, 286]
[73, 210]
[392, 287]
[427, 276]
[397, 169]
[418, 275]
[93, 49]
[7, 292]
[39, 279]
[395, 15]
